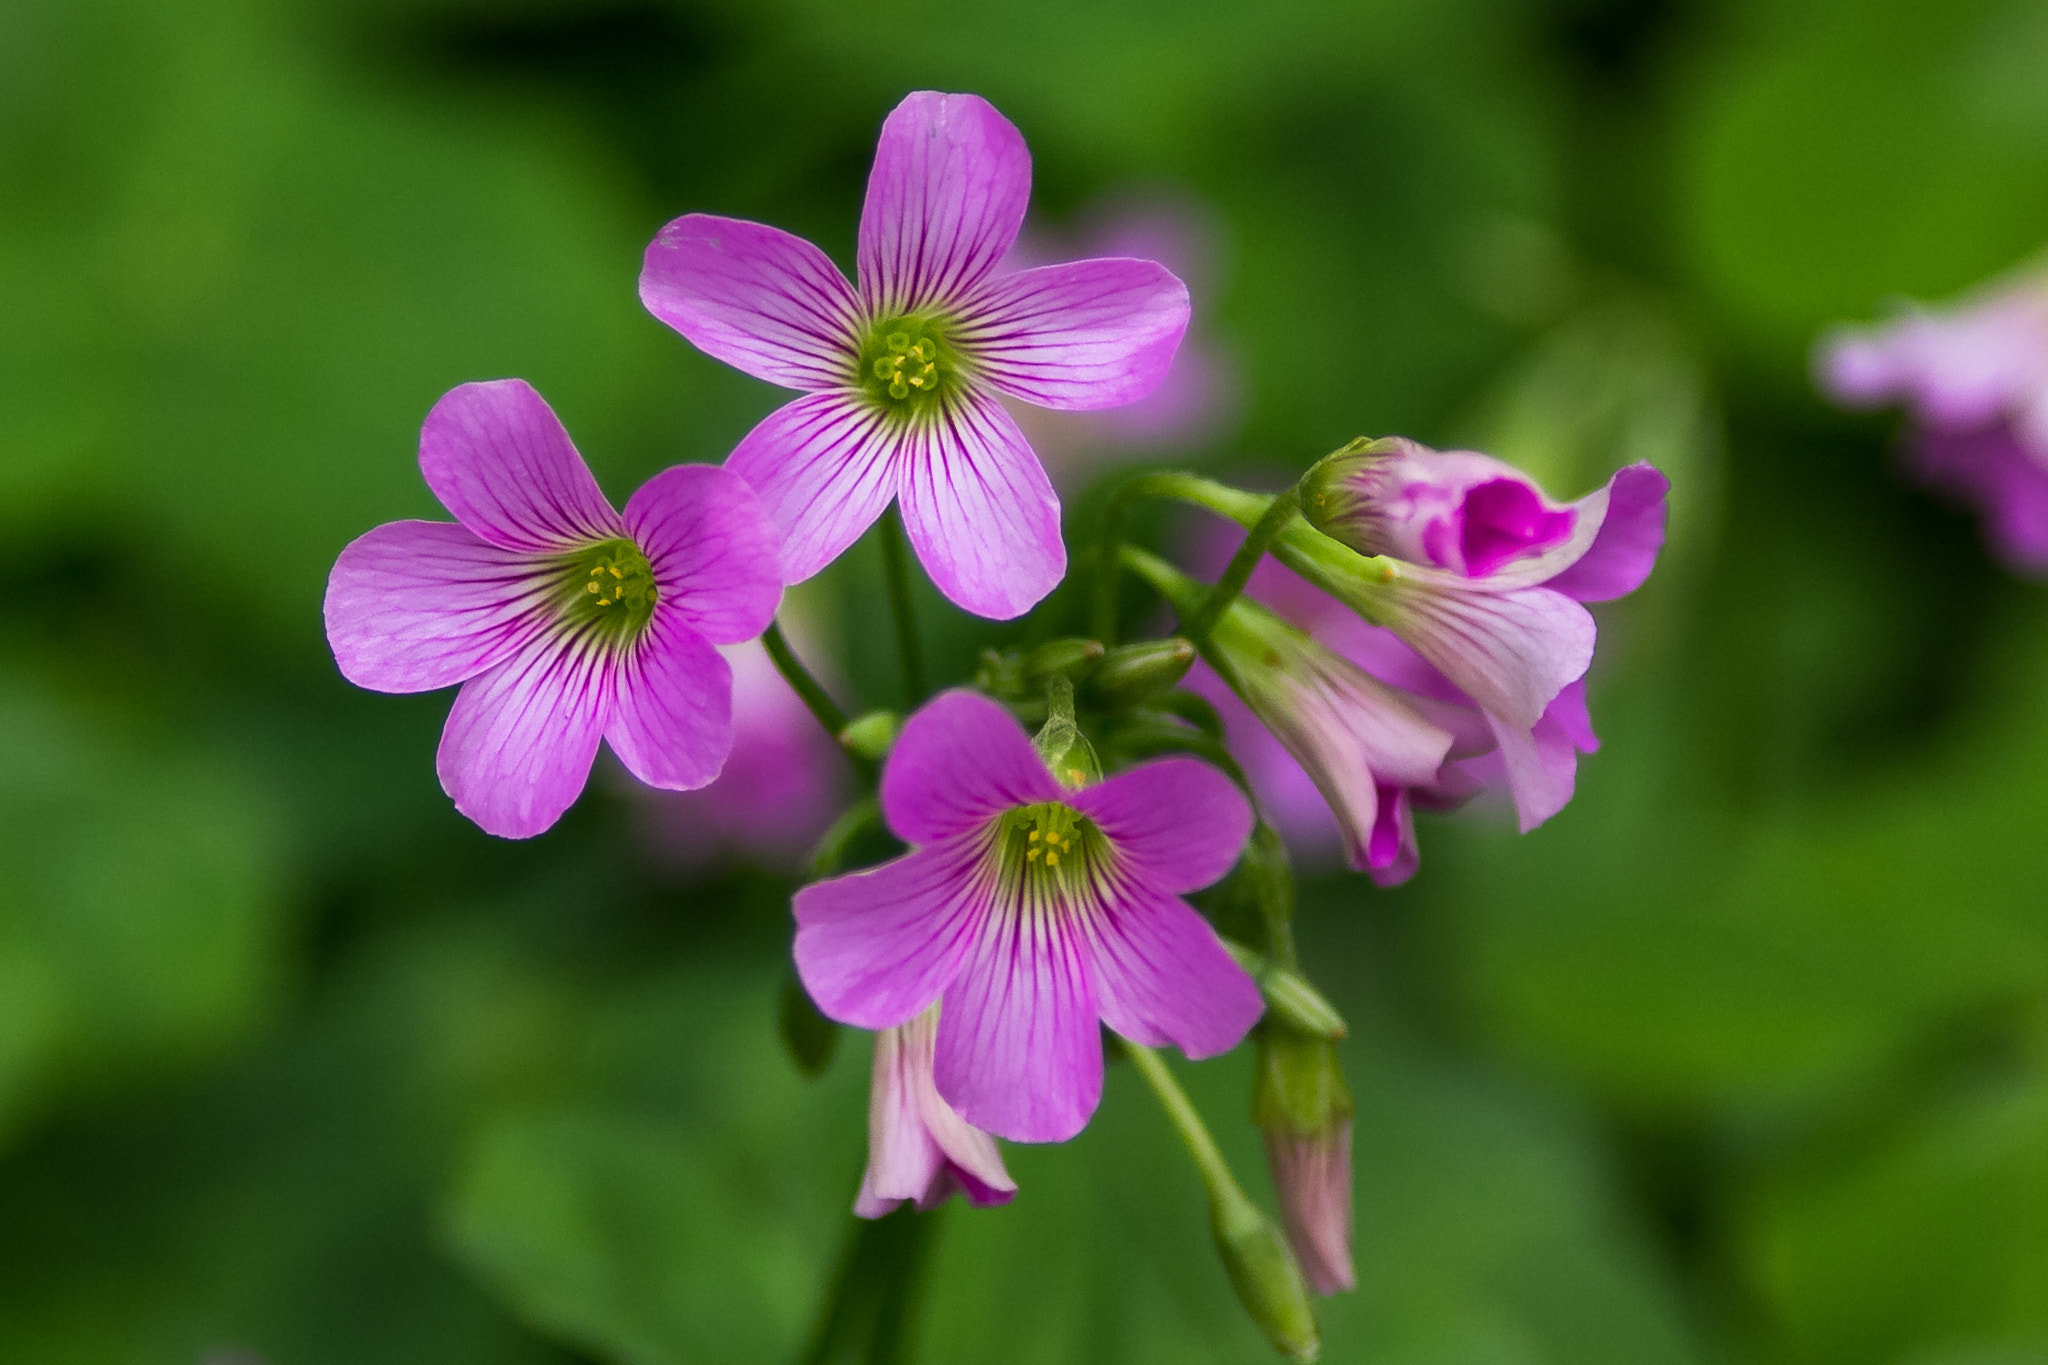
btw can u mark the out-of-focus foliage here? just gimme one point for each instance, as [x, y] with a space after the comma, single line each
[1740, 1058]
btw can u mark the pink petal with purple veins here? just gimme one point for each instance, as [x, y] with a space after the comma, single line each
[1511, 652]
[1079, 336]
[671, 718]
[1177, 822]
[1542, 768]
[945, 200]
[961, 761]
[979, 510]
[520, 739]
[1625, 548]
[761, 300]
[875, 947]
[918, 1148]
[416, 605]
[714, 552]
[497, 457]
[823, 467]
[1019, 1051]
[1162, 977]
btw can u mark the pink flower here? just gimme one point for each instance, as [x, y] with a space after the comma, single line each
[1032, 912]
[563, 620]
[901, 374]
[1975, 377]
[918, 1148]
[778, 790]
[1312, 1175]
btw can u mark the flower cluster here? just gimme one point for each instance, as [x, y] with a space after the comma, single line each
[1419, 635]
[1975, 377]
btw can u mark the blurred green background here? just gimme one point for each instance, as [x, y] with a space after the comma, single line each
[1742, 1058]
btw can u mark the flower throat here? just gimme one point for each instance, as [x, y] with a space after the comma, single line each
[906, 364]
[1051, 846]
[610, 588]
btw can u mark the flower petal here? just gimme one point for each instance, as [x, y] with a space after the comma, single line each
[979, 510]
[1511, 652]
[671, 715]
[1391, 853]
[823, 468]
[1542, 767]
[497, 457]
[918, 1148]
[959, 762]
[945, 200]
[1019, 1053]
[1177, 822]
[715, 554]
[1162, 977]
[416, 605]
[520, 739]
[762, 300]
[875, 947]
[1079, 336]
[1632, 532]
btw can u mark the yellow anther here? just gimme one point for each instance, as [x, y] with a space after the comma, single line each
[1052, 860]
[1032, 856]
[604, 601]
[616, 573]
[590, 587]
[1032, 837]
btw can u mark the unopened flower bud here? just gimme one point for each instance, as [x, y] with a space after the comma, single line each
[1288, 995]
[1060, 743]
[1070, 656]
[1132, 674]
[1264, 1273]
[872, 736]
[1302, 1103]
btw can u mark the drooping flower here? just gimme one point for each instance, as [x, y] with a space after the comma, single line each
[1032, 911]
[779, 787]
[901, 374]
[1304, 1108]
[564, 620]
[1975, 378]
[1481, 578]
[918, 1148]
[1200, 390]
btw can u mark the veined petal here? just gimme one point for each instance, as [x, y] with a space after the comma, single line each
[762, 300]
[979, 510]
[497, 457]
[960, 761]
[1079, 336]
[1180, 822]
[520, 739]
[1511, 652]
[945, 200]
[671, 713]
[1542, 768]
[1631, 533]
[823, 468]
[714, 552]
[1162, 977]
[918, 1148]
[1019, 1053]
[875, 947]
[1391, 852]
[416, 605]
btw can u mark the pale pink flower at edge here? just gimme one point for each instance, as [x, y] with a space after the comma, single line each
[566, 622]
[1975, 377]
[1032, 913]
[918, 1148]
[901, 373]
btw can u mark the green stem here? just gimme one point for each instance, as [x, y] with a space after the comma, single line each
[1247, 509]
[800, 680]
[1256, 542]
[1216, 1174]
[896, 566]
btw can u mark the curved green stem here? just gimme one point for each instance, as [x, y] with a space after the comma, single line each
[1250, 510]
[896, 567]
[802, 683]
[1239, 572]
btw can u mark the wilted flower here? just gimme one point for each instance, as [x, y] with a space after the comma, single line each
[1975, 377]
[902, 373]
[918, 1148]
[1033, 911]
[563, 620]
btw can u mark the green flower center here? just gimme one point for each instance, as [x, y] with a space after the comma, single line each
[906, 363]
[1051, 848]
[610, 588]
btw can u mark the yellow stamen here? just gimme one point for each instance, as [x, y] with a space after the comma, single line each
[1052, 860]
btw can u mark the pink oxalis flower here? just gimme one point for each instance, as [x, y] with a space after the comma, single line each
[918, 1148]
[1032, 912]
[901, 373]
[1975, 377]
[1312, 1175]
[564, 620]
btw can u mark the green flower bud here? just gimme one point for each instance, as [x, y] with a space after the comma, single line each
[1264, 1273]
[872, 736]
[1289, 996]
[1135, 673]
[1060, 743]
[1333, 497]
[1071, 657]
